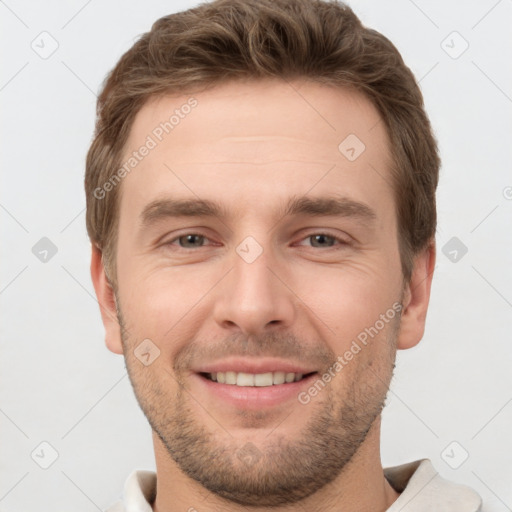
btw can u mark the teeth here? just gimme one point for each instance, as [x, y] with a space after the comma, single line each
[263, 379]
[230, 378]
[279, 377]
[245, 379]
[258, 379]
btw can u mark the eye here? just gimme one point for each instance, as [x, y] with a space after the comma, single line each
[325, 240]
[196, 240]
[188, 241]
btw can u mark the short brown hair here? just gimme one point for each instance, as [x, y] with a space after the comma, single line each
[322, 41]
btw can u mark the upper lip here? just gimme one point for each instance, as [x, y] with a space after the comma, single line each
[256, 366]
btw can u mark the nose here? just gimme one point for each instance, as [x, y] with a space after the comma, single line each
[254, 296]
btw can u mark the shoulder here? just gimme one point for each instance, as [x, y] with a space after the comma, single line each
[116, 507]
[422, 487]
[138, 494]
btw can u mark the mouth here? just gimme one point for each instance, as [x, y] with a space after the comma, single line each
[243, 379]
[253, 391]
[236, 383]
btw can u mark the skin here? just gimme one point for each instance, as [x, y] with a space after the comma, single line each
[251, 146]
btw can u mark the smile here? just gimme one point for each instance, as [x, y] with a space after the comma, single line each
[244, 379]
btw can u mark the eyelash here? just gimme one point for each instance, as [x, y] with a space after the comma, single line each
[341, 241]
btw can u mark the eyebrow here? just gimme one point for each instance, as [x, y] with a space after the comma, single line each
[340, 206]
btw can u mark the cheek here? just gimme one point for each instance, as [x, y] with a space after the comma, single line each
[346, 299]
[350, 306]
[165, 305]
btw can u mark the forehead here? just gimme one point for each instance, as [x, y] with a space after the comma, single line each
[250, 139]
[271, 108]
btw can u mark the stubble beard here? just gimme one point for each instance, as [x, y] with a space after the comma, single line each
[282, 471]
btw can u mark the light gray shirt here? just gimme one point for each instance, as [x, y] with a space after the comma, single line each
[422, 490]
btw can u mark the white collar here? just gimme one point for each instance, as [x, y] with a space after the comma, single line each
[421, 487]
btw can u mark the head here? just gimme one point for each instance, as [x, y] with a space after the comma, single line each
[262, 129]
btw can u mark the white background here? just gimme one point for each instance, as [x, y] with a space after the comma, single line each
[59, 382]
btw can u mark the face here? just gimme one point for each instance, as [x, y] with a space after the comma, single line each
[258, 257]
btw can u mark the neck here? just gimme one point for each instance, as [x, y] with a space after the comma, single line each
[361, 486]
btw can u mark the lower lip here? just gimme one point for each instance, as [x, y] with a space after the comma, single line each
[254, 397]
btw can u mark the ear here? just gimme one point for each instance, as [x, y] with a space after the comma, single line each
[416, 298]
[107, 302]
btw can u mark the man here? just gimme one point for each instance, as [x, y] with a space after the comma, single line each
[261, 203]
